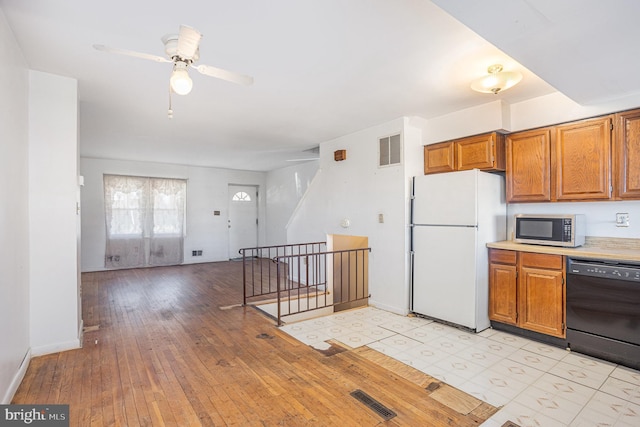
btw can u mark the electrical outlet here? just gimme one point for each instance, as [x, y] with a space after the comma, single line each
[622, 220]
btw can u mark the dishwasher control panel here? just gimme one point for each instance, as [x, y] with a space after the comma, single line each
[619, 271]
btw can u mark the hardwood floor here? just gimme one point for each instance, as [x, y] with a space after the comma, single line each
[169, 346]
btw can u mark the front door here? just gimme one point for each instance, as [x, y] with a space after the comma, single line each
[243, 218]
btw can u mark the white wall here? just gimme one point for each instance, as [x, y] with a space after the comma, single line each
[556, 108]
[53, 191]
[207, 191]
[14, 213]
[285, 189]
[358, 190]
[487, 117]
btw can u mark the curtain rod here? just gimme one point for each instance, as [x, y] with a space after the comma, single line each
[142, 176]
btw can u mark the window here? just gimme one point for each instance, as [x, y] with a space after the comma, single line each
[144, 220]
[168, 197]
[241, 196]
[127, 202]
[390, 150]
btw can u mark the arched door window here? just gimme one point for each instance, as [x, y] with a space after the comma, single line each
[241, 196]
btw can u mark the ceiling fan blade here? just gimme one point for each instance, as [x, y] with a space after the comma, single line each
[188, 41]
[229, 76]
[108, 49]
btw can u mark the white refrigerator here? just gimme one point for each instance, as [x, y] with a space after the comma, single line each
[453, 216]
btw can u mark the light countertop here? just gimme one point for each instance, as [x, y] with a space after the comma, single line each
[605, 248]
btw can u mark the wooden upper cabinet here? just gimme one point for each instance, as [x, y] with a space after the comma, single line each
[583, 160]
[528, 164]
[439, 158]
[485, 152]
[627, 155]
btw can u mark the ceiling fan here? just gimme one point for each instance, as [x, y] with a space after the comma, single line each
[183, 51]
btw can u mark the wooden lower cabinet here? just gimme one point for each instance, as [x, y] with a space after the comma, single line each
[503, 272]
[527, 290]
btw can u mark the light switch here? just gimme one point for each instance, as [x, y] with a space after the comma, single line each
[381, 218]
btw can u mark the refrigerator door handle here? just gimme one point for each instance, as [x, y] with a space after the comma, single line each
[444, 225]
[411, 257]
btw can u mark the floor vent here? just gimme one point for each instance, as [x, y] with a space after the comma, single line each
[373, 404]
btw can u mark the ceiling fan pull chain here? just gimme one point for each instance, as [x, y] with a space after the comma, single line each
[170, 111]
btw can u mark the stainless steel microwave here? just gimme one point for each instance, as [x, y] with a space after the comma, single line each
[551, 230]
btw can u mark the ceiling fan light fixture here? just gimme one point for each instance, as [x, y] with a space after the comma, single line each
[180, 81]
[496, 81]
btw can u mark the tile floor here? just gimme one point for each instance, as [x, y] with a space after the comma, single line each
[534, 384]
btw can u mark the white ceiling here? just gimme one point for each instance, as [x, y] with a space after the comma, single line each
[322, 68]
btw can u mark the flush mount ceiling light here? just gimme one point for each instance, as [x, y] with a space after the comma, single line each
[181, 83]
[496, 81]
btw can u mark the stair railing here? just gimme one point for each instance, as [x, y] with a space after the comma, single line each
[259, 275]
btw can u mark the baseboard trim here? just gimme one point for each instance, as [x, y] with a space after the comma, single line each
[55, 348]
[81, 333]
[33, 352]
[17, 379]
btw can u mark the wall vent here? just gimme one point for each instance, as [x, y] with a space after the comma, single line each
[390, 150]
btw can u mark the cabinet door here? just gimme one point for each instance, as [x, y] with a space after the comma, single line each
[583, 159]
[484, 152]
[627, 163]
[502, 286]
[502, 293]
[528, 176]
[541, 301]
[439, 158]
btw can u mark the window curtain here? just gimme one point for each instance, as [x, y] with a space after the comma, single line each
[167, 231]
[125, 202]
[144, 221]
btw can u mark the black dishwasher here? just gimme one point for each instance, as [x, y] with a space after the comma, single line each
[603, 310]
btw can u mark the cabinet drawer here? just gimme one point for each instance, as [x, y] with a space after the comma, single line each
[502, 256]
[529, 259]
